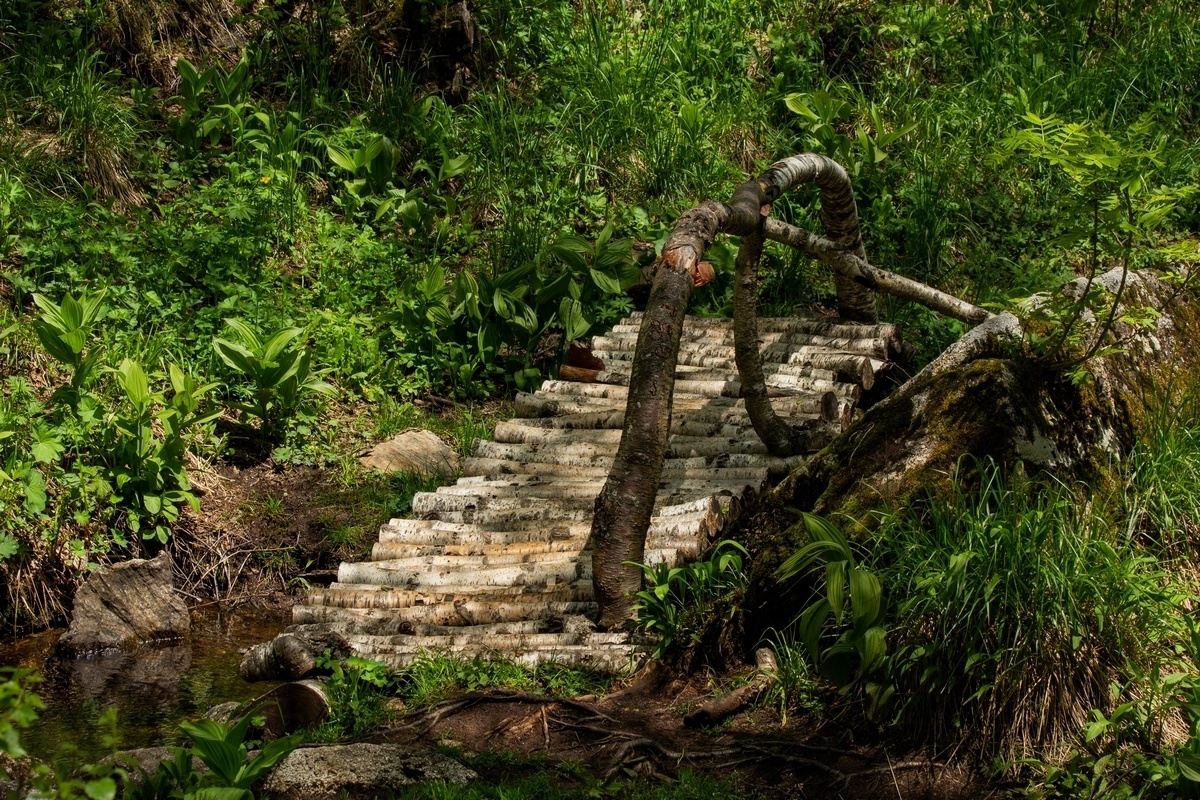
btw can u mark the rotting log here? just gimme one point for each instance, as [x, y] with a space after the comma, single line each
[624, 506]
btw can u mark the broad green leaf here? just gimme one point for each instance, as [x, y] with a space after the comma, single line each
[835, 588]
[606, 283]
[46, 446]
[1189, 766]
[218, 793]
[279, 341]
[9, 546]
[51, 339]
[811, 624]
[101, 789]
[248, 335]
[866, 597]
[236, 357]
[872, 648]
[134, 381]
[35, 492]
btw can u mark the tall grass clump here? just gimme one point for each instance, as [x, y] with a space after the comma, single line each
[1163, 480]
[1019, 605]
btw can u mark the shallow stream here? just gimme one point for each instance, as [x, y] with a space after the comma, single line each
[152, 690]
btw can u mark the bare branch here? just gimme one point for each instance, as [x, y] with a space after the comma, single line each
[859, 270]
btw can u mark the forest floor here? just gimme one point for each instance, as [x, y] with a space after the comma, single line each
[269, 527]
[638, 732]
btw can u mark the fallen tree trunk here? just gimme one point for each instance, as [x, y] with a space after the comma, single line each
[987, 398]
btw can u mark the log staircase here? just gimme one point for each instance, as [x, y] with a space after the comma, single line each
[499, 563]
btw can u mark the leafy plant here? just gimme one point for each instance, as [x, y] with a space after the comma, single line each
[797, 686]
[433, 675]
[358, 691]
[131, 446]
[1123, 753]
[225, 751]
[279, 370]
[1120, 201]
[676, 599]
[371, 166]
[851, 599]
[148, 470]
[65, 331]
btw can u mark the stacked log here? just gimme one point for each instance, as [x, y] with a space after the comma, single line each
[501, 561]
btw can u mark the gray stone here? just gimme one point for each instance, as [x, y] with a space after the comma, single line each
[416, 451]
[359, 772]
[122, 606]
[223, 712]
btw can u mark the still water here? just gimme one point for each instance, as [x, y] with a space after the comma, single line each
[152, 690]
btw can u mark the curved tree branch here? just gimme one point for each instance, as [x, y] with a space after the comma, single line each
[625, 504]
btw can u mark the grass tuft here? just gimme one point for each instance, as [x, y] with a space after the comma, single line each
[1020, 605]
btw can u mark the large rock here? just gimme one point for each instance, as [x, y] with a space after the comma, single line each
[418, 452]
[359, 772]
[122, 606]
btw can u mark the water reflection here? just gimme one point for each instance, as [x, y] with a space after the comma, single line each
[152, 689]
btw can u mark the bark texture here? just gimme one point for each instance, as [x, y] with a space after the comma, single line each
[839, 216]
[624, 506]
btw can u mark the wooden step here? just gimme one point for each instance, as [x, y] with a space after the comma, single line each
[499, 563]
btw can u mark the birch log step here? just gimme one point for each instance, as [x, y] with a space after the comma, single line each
[613, 659]
[500, 562]
[400, 626]
[828, 326]
[544, 572]
[466, 612]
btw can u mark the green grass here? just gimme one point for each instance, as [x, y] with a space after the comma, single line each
[434, 676]
[1163, 474]
[1018, 606]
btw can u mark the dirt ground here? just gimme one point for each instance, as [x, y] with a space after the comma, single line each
[640, 731]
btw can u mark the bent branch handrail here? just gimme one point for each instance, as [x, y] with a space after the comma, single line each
[625, 504]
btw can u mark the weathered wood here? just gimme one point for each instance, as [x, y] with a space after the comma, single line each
[780, 438]
[720, 708]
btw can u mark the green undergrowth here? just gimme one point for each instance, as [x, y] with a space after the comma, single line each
[1019, 605]
[434, 676]
[1039, 626]
[360, 690]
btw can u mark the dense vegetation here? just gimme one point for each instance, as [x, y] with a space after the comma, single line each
[252, 231]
